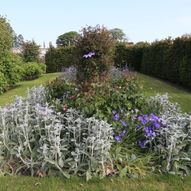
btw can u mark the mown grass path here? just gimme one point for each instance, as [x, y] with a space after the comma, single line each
[22, 88]
[151, 86]
[154, 183]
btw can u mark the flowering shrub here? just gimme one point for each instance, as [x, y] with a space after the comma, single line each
[95, 49]
[37, 140]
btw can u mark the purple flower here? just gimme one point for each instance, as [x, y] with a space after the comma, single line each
[154, 117]
[118, 139]
[114, 112]
[116, 117]
[123, 133]
[124, 123]
[89, 55]
[147, 129]
[157, 125]
[143, 121]
[142, 143]
[150, 134]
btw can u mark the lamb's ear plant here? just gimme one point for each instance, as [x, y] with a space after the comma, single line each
[35, 139]
[173, 144]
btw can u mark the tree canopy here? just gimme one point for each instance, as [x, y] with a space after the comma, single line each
[18, 41]
[6, 35]
[118, 34]
[67, 39]
[30, 51]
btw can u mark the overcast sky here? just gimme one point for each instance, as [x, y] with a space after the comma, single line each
[141, 20]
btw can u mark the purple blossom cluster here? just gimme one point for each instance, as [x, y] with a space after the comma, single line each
[89, 55]
[150, 124]
[147, 127]
[121, 133]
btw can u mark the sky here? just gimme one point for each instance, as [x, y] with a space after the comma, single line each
[141, 20]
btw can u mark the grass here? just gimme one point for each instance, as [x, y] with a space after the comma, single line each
[156, 183]
[151, 86]
[21, 90]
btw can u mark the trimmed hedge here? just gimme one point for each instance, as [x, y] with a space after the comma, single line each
[58, 58]
[129, 55]
[166, 59]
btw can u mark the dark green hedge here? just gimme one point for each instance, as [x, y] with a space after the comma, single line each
[129, 55]
[166, 59]
[58, 58]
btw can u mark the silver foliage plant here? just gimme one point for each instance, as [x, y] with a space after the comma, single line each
[37, 140]
[69, 74]
[174, 142]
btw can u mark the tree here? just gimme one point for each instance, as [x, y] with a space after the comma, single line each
[18, 41]
[118, 34]
[67, 39]
[6, 35]
[30, 51]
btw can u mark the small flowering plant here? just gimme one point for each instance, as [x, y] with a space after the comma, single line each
[131, 128]
[148, 126]
[122, 121]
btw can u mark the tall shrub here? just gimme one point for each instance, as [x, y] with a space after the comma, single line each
[6, 36]
[30, 51]
[95, 50]
[11, 70]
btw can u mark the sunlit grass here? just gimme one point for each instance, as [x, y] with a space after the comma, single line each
[21, 89]
[151, 86]
[156, 183]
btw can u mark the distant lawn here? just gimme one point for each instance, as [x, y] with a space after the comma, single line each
[151, 86]
[156, 183]
[21, 90]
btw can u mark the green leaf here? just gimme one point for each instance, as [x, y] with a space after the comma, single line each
[123, 172]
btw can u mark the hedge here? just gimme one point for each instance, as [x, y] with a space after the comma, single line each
[166, 59]
[58, 58]
[129, 55]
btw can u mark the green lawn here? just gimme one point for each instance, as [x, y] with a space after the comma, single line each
[21, 90]
[151, 86]
[157, 183]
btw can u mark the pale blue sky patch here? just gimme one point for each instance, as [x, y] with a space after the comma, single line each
[141, 20]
